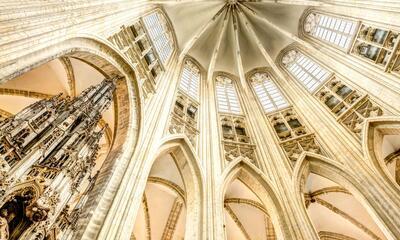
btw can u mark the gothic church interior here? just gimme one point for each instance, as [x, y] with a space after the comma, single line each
[200, 119]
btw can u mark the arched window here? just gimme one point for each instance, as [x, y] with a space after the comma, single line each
[226, 94]
[190, 79]
[305, 70]
[334, 30]
[159, 35]
[267, 92]
[184, 117]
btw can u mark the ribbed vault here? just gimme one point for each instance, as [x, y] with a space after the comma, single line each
[214, 32]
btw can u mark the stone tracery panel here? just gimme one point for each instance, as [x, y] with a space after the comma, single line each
[293, 135]
[184, 116]
[235, 137]
[330, 29]
[136, 45]
[236, 141]
[350, 106]
[378, 46]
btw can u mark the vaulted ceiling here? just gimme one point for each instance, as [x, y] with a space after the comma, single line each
[220, 30]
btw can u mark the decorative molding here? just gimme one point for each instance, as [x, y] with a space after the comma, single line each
[175, 187]
[394, 156]
[347, 217]
[5, 114]
[249, 202]
[269, 229]
[173, 217]
[237, 221]
[146, 216]
[24, 93]
[66, 62]
[325, 235]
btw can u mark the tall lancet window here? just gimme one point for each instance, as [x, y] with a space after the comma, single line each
[334, 30]
[226, 94]
[190, 80]
[305, 70]
[184, 117]
[267, 92]
[235, 135]
[159, 35]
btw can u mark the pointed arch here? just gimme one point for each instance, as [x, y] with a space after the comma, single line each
[330, 29]
[191, 73]
[198, 64]
[226, 93]
[253, 71]
[334, 171]
[284, 51]
[374, 131]
[34, 187]
[127, 98]
[302, 67]
[189, 166]
[160, 17]
[262, 187]
[263, 84]
[231, 76]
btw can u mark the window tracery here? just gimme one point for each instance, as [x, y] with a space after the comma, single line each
[305, 70]
[334, 30]
[137, 45]
[190, 79]
[159, 34]
[236, 141]
[184, 116]
[350, 106]
[226, 95]
[367, 41]
[293, 135]
[378, 46]
[267, 92]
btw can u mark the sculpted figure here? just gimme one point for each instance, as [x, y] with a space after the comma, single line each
[4, 234]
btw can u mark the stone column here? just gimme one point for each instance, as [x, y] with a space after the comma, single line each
[120, 219]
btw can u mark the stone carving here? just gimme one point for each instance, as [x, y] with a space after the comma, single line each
[310, 23]
[184, 117]
[350, 106]
[58, 138]
[378, 46]
[4, 235]
[235, 139]
[294, 137]
[136, 45]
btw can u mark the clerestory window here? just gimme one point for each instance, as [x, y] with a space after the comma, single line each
[267, 92]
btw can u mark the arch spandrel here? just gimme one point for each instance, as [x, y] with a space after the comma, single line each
[374, 131]
[334, 171]
[127, 98]
[188, 165]
[263, 188]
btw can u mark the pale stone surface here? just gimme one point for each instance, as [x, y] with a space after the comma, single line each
[33, 33]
